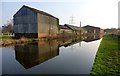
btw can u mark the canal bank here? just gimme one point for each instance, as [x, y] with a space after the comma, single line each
[107, 57]
[10, 40]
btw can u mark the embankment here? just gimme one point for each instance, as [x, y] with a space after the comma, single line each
[107, 58]
[8, 42]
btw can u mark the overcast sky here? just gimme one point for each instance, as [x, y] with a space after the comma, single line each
[100, 13]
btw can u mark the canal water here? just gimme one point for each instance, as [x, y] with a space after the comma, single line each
[65, 56]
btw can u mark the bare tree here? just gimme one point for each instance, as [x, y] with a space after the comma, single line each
[8, 28]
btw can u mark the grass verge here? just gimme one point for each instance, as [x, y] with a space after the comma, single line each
[6, 37]
[107, 58]
[9, 40]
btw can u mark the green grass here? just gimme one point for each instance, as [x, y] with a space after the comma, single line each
[6, 37]
[9, 40]
[11, 37]
[107, 58]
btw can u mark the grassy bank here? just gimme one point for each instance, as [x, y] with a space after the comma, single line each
[6, 37]
[9, 40]
[107, 58]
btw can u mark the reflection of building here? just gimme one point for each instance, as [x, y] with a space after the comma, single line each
[65, 42]
[30, 22]
[35, 53]
[92, 38]
[69, 41]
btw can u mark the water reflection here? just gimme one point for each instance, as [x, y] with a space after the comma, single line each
[35, 53]
[92, 38]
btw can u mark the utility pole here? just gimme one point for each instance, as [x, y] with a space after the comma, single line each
[80, 24]
[80, 28]
[71, 20]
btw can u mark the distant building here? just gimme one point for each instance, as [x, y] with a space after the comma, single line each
[111, 31]
[65, 29]
[71, 29]
[75, 29]
[30, 22]
[93, 30]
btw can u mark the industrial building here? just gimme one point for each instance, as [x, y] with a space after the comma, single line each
[70, 29]
[30, 22]
[91, 30]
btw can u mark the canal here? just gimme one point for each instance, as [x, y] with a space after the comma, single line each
[65, 56]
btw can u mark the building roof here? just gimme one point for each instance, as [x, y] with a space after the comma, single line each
[72, 27]
[38, 11]
[90, 27]
[63, 27]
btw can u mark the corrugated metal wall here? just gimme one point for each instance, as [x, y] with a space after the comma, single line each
[47, 25]
[25, 21]
[43, 23]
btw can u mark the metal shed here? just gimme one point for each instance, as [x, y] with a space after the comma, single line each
[30, 22]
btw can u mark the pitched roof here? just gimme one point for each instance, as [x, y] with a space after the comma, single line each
[63, 27]
[72, 27]
[38, 11]
[90, 27]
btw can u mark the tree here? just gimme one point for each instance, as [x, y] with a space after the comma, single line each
[0, 30]
[8, 28]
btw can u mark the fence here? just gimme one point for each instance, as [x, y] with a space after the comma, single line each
[6, 34]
